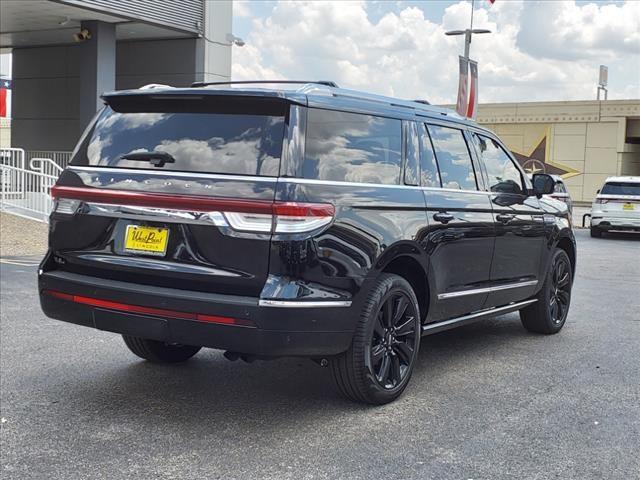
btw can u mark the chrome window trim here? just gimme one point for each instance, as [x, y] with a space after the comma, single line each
[249, 178]
[173, 173]
[302, 304]
[478, 291]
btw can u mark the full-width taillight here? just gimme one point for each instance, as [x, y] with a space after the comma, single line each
[257, 216]
[601, 200]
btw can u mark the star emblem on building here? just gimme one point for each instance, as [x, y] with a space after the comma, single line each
[537, 161]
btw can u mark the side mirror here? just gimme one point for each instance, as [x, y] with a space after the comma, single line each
[543, 184]
[598, 191]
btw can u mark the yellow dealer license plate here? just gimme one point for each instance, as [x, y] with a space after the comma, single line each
[628, 206]
[147, 240]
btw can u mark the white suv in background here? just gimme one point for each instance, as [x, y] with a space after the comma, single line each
[617, 206]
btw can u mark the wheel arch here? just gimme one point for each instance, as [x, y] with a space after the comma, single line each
[413, 272]
[567, 244]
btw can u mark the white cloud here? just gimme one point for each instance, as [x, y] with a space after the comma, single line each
[537, 51]
[241, 8]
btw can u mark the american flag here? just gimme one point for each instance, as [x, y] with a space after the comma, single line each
[5, 86]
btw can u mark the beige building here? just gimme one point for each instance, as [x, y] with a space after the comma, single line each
[584, 141]
[5, 132]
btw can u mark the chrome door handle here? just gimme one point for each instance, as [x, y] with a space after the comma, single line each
[505, 217]
[442, 217]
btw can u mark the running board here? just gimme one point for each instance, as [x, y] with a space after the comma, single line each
[436, 327]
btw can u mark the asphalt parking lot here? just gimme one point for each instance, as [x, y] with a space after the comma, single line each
[487, 401]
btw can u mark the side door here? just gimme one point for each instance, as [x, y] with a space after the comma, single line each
[461, 232]
[518, 221]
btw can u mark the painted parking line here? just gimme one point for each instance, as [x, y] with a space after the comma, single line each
[20, 263]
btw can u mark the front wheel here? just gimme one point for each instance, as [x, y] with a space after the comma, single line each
[159, 352]
[549, 313]
[595, 232]
[377, 367]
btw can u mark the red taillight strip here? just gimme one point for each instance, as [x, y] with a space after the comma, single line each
[162, 200]
[192, 202]
[158, 312]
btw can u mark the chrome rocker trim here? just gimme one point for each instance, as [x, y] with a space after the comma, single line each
[436, 327]
[477, 291]
[303, 304]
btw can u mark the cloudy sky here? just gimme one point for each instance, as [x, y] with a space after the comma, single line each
[539, 50]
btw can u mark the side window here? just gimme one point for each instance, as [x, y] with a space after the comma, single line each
[504, 176]
[350, 147]
[559, 188]
[429, 175]
[452, 153]
[411, 154]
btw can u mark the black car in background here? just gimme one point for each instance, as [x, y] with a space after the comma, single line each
[316, 222]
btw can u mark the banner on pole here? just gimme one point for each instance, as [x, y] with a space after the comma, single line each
[472, 109]
[461, 105]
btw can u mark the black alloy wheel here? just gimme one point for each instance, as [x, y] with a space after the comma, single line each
[549, 312]
[560, 290]
[378, 365]
[393, 340]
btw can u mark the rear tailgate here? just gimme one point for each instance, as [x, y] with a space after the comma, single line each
[618, 199]
[188, 208]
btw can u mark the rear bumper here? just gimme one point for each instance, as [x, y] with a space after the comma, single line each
[274, 331]
[615, 222]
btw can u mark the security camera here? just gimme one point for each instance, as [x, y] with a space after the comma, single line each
[82, 35]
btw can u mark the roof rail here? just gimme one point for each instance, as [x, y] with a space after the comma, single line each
[248, 82]
[417, 105]
[154, 85]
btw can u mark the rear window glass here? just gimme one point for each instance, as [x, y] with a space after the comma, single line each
[233, 143]
[351, 147]
[621, 188]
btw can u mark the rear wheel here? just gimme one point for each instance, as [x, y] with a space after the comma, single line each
[377, 367]
[596, 232]
[159, 352]
[549, 313]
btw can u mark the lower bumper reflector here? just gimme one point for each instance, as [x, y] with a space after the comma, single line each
[157, 312]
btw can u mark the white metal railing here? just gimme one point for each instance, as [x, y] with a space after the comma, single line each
[58, 157]
[11, 180]
[46, 166]
[25, 188]
[30, 196]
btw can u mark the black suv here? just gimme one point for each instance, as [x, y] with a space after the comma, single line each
[316, 222]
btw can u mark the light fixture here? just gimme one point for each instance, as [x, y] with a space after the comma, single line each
[233, 40]
[82, 35]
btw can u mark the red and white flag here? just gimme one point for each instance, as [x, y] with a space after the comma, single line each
[461, 104]
[5, 86]
[473, 90]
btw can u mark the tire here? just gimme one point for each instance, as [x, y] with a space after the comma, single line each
[596, 232]
[159, 352]
[549, 313]
[377, 367]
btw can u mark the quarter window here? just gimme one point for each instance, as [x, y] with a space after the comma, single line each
[504, 176]
[429, 175]
[456, 169]
[351, 147]
[412, 154]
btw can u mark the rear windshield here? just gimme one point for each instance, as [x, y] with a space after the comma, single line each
[232, 143]
[621, 188]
